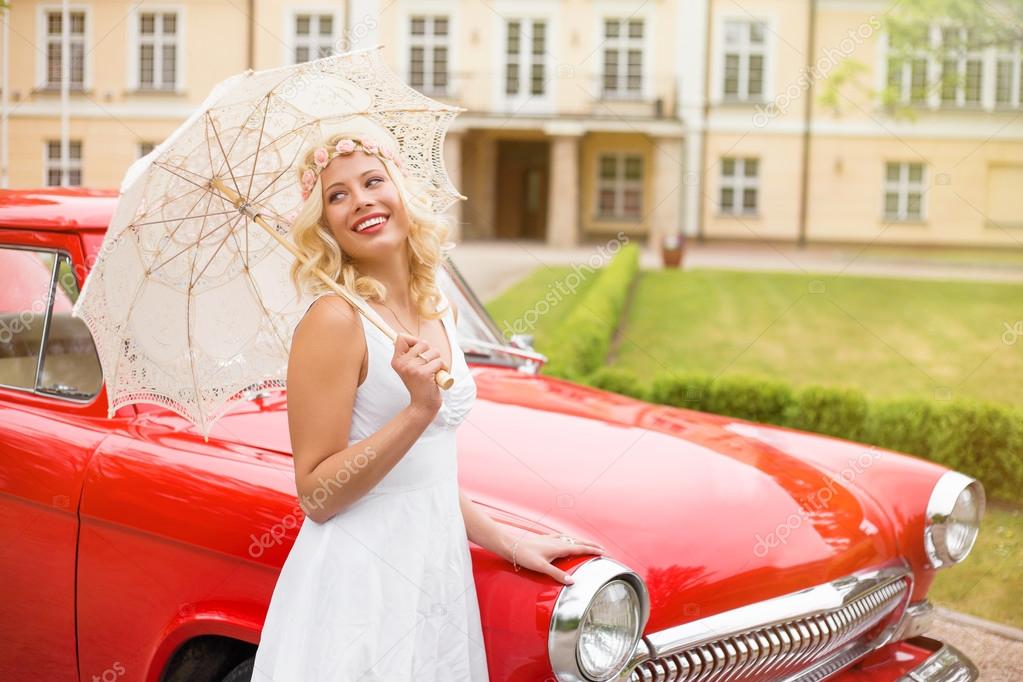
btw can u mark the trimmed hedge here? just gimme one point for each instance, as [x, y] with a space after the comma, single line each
[981, 439]
[581, 343]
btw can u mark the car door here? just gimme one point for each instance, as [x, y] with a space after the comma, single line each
[51, 421]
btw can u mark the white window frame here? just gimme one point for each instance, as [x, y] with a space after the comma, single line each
[738, 182]
[525, 101]
[621, 10]
[42, 81]
[770, 49]
[625, 44]
[902, 187]
[291, 41]
[619, 185]
[55, 164]
[1014, 57]
[744, 51]
[135, 42]
[429, 10]
[906, 72]
[960, 60]
[989, 58]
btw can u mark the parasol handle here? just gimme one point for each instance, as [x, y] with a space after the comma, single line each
[442, 377]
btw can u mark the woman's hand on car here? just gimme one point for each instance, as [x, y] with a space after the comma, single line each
[417, 373]
[535, 552]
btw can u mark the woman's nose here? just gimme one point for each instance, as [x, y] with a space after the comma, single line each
[361, 199]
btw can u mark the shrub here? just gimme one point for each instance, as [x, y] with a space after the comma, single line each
[617, 381]
[980, 439]
[579, 346]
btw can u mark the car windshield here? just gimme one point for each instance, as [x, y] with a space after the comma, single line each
[478, 335]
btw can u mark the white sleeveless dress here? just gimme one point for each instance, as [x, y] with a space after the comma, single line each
[383, 591]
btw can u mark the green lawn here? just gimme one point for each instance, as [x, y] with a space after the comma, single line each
[885, 336]
[989, 583]
[521, 307]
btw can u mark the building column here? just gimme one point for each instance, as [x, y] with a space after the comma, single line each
[563, 191]
[668, 167]
[453, 164]
[692, 183]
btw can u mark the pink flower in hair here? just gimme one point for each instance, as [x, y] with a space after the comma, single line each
[320, 157]
[308, 179]
[370, 146]
[345, 146]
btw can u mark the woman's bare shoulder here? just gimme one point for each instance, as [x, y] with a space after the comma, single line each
[329, 318]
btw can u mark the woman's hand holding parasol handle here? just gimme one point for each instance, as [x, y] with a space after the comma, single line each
[442, 377]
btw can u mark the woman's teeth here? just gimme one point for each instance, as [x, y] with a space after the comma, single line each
[370, 223]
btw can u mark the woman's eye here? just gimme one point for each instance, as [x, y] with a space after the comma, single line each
[372, 179]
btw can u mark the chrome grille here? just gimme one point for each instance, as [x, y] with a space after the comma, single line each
[806, 648]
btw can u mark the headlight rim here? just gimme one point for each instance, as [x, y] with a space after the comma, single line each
[573, 603]
[940, 505]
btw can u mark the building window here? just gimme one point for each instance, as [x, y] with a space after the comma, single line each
[740, 186]
[903, 191]
[158, 50]
[525, 66]
[54, 27]
[623, 58]
[63, 175]
[743, 77]
[1009, 77]
[907, 67]
[620, 186]
[962, 68]
[314, 37]
[428, 54]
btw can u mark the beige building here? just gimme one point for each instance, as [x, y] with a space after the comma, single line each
[585, 117]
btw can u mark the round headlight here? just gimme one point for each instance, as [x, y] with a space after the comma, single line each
[607, 635]
[953, 518]
[598, 622]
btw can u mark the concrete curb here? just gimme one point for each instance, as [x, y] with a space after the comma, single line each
[965, 619]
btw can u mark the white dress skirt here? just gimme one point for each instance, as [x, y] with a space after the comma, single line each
[383, 591]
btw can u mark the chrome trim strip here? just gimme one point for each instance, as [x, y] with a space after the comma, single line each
[830, 597]
[946, 664]
[799, 637]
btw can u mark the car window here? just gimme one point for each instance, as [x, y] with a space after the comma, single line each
[24, 299]
[40, 351]
[71, 365]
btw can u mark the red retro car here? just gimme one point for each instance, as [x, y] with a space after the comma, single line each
[134, 550]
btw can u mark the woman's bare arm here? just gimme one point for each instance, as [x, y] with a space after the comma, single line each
[483, 530]
[323, 374]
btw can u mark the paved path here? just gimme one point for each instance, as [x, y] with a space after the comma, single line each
[998, 655]
[493, 266]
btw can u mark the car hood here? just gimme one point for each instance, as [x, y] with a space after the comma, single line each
[706, 509]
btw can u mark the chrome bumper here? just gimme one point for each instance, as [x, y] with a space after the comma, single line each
[946, 664]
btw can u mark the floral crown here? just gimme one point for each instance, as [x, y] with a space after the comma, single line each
[323, 155]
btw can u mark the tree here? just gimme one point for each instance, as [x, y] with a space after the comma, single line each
[934, 48]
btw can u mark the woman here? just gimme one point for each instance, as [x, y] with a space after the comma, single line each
[378, 585]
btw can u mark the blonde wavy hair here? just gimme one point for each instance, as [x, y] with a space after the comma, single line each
[428, 237]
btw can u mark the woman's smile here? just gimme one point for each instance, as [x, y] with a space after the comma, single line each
[373, 223]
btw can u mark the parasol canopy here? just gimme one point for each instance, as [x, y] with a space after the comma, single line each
[190, 301]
